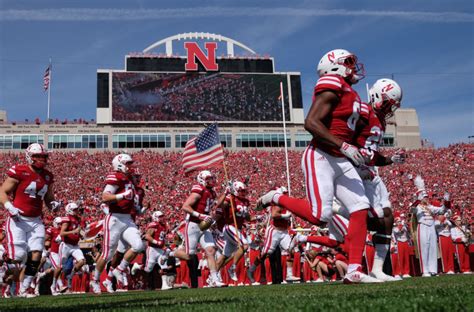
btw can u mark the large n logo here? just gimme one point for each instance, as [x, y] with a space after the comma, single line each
[194, 51]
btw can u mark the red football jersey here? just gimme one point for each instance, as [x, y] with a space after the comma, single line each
[73, 222]
[343, 118]
[31, 189]
[205, 203]
[241, 206]
[371, 134]
[124, 183]
[281, 223]
[159, 234]
[53, 233]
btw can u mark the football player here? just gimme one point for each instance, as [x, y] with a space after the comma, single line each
[54, 240]
[70, 236]
[235, 205]
[30, 184]
[328, 162]
[123, 246]
[119, 195]
[276, 235]
[155, 236]
[199, 206]
[385, 98]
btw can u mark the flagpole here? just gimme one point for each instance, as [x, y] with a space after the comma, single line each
[49, 86]
[284, 136]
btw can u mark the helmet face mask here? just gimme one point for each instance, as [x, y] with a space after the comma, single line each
[36, 156]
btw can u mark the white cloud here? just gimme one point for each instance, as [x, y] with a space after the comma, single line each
[92, 14]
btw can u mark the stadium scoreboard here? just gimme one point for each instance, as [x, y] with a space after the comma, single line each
[197, 88]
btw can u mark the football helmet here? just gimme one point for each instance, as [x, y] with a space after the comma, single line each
[56, 222]
[156, 216]
[33, 150]
[206, 178]
[122, 163]
[71, 208]
[385, 96]
[343, 63]
[239, 187]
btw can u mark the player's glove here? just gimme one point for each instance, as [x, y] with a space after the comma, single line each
[128, 194]
[352, 152]
[55, 205]
[399, 157]
[205, 218]
[12, 210]
[446, 196]
[367, 154]
[104, 208]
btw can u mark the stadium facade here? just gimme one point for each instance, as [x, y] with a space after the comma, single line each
[161, 100]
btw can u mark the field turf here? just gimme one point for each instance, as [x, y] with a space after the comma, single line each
[445, 293]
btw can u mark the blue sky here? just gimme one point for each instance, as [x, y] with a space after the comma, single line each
[428, 46]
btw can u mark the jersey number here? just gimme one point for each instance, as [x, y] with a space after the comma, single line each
[352, 121]
[31, 190]
[373, 141]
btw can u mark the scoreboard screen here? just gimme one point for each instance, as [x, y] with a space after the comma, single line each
[199, 97]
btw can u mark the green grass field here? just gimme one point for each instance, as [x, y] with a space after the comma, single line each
[446, 293]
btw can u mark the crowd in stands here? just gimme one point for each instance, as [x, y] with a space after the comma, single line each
[79, 175]
[197, 97]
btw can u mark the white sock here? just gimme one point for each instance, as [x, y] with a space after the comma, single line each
[26, 282]
[110, 274]
[54, 283]
[60, 283]
[214, 275]
[96, 275]
[276, 198]
[289, 271]
[379, 258]
[123, 265]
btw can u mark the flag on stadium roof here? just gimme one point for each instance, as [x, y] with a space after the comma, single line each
[204, 150]
[46, 78]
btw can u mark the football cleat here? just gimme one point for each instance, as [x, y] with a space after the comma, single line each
[135, 268]
[319, 280]
[119, 275]
[292, 278]
[54, 291]
[95, 287]
[383, 277]
[357, 277]
[108, 285]
[23, 293]
[267, 199]
[408, 275]
[426, 275]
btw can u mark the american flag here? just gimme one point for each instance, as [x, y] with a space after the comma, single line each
[46, 78]
[204, 150]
